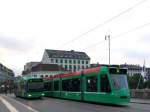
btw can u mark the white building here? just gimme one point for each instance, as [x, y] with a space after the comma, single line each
[6, 74]
[29, 65]
[44, 73]
[132, 69]
[70, 60]
[43, 70]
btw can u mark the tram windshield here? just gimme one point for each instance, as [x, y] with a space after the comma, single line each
[119, 81]
[35, 85]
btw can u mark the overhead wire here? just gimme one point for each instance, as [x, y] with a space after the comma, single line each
[102, 24]
[119, 35]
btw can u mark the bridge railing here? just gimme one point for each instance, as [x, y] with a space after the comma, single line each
[140, 93]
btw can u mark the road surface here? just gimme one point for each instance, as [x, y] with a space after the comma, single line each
[12, 104]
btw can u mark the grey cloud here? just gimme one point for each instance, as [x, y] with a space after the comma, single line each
[131, 53]
[15, 44]
[145, 39]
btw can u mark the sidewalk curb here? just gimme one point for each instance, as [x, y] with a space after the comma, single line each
[140, 102]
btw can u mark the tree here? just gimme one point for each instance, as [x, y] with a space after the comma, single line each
[134, 80]
[147, 84]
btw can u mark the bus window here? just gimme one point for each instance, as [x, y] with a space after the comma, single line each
[105, 86]
[56, 85]
[91, 84]
[35, 85]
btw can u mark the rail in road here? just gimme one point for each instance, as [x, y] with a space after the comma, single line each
[12, 104]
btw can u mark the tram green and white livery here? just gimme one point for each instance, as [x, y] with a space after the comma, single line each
[101, 85]
[29, 87]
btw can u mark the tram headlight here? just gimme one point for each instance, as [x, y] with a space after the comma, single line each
[43, 94]
[29, 95]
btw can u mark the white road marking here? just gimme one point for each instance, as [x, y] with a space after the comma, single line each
[8, 105]
[28, 107]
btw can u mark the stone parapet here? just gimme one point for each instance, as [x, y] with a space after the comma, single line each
[140, 93]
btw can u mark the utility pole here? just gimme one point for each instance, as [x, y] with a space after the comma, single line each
[107, 37]
[143, 74]
[139, 82]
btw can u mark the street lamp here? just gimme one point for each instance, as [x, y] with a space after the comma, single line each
[107, 37]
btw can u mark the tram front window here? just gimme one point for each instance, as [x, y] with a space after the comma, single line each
[119, 81]
[35, 86]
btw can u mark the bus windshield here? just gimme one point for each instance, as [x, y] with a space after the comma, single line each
[119, 81]
[35, 86]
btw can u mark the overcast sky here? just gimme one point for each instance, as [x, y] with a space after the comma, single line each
[27, 27]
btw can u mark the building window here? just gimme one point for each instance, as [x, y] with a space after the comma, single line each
[65, 61]
[78, 67]
[61, 61]
[70, 67]
[56, 60]
[91, 84]
[78, 61]
[74, 67]
[87, 62]
[52, 60]
[82, 62]
[70, 61]
[66, 67]
[82, 67]
[74, 61]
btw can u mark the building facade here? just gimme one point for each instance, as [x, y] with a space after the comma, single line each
[6, 75]
[148, 74]
[43, 70]
[29, 65]
[70, 60]
[132, 69]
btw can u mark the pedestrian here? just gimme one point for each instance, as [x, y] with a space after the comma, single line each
[5, 90]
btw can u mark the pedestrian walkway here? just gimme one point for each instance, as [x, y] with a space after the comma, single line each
[140, 101]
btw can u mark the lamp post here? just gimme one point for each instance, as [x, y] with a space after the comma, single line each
[107, 37]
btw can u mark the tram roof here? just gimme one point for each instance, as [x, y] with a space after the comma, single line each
[68, 74]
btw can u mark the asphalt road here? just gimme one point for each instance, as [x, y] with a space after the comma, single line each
[60, 105]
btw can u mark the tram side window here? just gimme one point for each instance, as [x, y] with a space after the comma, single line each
[47, 86]
[105, 86]
[67, 85]
[56, 85]
[64, 85]
[50, 86]
[76, 85]
[71, 85]
[91, 84]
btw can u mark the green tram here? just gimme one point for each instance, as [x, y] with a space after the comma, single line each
[48, 86]
[29, 87]
[100, 85]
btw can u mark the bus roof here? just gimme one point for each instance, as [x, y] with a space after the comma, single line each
[29, 78]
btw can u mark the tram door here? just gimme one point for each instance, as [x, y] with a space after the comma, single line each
[82, 86]
[104, 84]
[105, 88]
